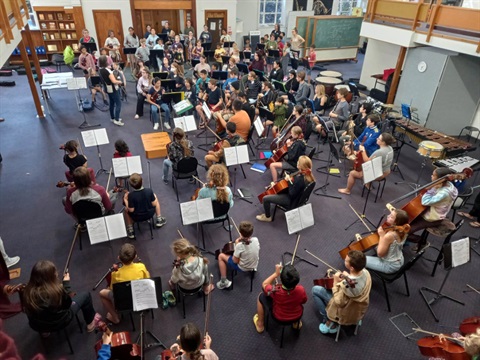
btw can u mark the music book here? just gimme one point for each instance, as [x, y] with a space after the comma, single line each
[236, 155]
[95, 137]
[144, 294]
[76, 83]
[261, 168]
[126, 166]
[106, 228]
[259, 126]
[206, 110]
[265, 154]
[182, 106]
[196, 211]
[457, 253]
[372, 169]
[299, 218]
[186, 123]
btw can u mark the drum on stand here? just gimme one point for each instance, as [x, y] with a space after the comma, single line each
[430, 149]
[329, 83]
[330, 73]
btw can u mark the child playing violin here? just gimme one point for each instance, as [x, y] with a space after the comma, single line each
[296, 148]
[280, 113]
[127, 272]
[344, 304]
[295, 189]
[389, 257]
[217, 188]
[190, 270]
[121, 150]
[190, 345]
[232, 139]
[245, 255]
[178, 149]
[285, 300]
[72, 158]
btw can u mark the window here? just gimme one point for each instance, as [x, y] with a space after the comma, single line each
[31, 17]
[270, 12]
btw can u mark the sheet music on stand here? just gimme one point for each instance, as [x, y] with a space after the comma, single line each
[299, 218]
[186, 123]
[372, 170]
[259, 126]
[236, 155]
[457, 253]
[144, 294]
[206, 110]
[95, 137]
[196, 211]
[106, 228]
[126, 166]
[76, 83]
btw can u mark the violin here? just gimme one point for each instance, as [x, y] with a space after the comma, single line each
[62, 184]
[470, 325]
[328, 282]
[228, 248]
[440, 346]
[12, 289]
[122, 346]
[197, 191]
[178, 263]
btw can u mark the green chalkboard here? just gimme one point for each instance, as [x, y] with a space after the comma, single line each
[302, 25]
[337, 33]
[310, 37]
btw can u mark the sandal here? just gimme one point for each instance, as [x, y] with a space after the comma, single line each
[475, 224]
[94, 324]
[255, 320]
[466, 215]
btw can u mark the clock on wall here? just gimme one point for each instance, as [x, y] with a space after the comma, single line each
[422, 66]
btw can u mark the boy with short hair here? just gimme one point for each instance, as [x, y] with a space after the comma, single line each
[245, 256]
[140, 203]
[127, 272]
[285, 300]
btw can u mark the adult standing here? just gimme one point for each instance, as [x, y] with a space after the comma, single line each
[112, 89]
[166, 28]
[296, 42]
[189, 28]
[148, 29]
[205, 35]
[131, 42]
[276, 31]
[143, 87]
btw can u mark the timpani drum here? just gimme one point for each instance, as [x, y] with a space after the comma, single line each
[329, 83]
[430, 149]
[348, 97]
[329, 73]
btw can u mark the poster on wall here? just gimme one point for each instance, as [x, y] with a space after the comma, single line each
[322, 7]
[299, 5]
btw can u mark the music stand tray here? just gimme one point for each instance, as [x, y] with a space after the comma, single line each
[243, 68]
[162, 75]
[259, 74]
[266, 114]
[169, 84]
[220, 75]
[174, 97]
[157, 53]
[91, 47]
[128, 51]
[274, 53]
[279, 86]
[228, 44]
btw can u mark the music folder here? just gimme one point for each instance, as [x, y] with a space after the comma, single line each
[299, 218]
[236, 155]
[106, 228]
[126, 166]
[196, 211]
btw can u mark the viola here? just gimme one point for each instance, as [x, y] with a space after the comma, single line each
[12, 289]
[277, 156]
[228, 249]
[327, 282]
[470, 325]
[122, 346]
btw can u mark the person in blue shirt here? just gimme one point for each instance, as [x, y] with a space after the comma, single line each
[232, 77]
[368, 138]
[105, 351]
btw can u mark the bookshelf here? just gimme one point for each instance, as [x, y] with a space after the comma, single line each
[60, 27]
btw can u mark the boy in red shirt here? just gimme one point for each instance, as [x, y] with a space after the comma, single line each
[312, 58]
[285, 299]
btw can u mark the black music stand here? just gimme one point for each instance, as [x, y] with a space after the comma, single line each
[173, 97]
[157, 53]
[264, 114]
[259, 74]
[243, 68]
[448, 263]
[245, 55]
[274, 53]
[209, 54]
[163, 36]
[91, 47]
[296, 256]
[228, 44]
[220, 75]
[333, 151]
[207, 46]
[279, 86]
[260, 46]
[170, 85]
[400, 138]
[129, 51]
[225, 59]
[122, 293]
[162, 75]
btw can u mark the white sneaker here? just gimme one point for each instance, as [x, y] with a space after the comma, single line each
[167, 126]
[12, 261]
[119, 122]
[136, 116]
[155, 127]
[224, 284]
[112, 120]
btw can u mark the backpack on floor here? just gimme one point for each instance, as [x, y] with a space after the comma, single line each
[87, 105]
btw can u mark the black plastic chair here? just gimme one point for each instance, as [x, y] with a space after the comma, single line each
[186, 168]
[250, 272]
[284, 324]
[469, 130]
[85, 210]
[220, 211]
[58, 61]
[461, 201]
[148, 218]
[301, 201]
[390, 278]
[183, 293]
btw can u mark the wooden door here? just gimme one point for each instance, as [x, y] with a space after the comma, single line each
[216, 21]
[108, 20]
[154, 18]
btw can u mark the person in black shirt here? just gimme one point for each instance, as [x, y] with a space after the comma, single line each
[292, 84]
[112, 89]
[357, 125]
[277, 71]
[213, 97]
[140, 204]
[296, 148]
[72, 158]
[295, 189]
[250, 109]
[253, 86]
[232, 139]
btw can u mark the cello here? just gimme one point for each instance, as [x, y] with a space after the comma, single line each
[278, 141]
[470, 325]
[440, 346]
[280, 185]
[122, 347]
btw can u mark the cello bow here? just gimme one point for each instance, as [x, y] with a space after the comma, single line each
[295, 250]
[209, 301]
[65, 270]
[359, 217]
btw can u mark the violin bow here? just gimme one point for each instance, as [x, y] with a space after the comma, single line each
[359, 217]
[235, 225]
[286, 122]
[295, 250]
[180, 233]
[65, 270]
[200, 181]
[209, 301]
[316, 257]
[213, 132]
[109, 176]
